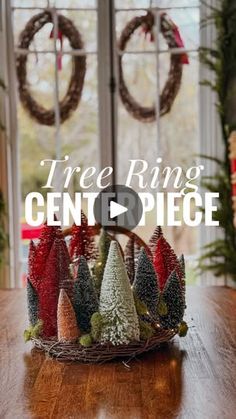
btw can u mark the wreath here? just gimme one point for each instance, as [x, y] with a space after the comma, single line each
[72, 97]
[171, 34]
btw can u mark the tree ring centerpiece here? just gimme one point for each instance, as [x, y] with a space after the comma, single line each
[73, 95]
[75, 315]
[172, 85]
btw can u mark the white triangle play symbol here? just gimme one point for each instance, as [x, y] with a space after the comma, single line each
[116, 209]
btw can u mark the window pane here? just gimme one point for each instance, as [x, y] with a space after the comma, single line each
[55, 3]
[176, 139]
[154, 3]
[84, 21]
[79, 133]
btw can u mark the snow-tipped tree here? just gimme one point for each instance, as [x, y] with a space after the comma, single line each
[85, 300]
[145, 286]
[131, 255]
[173, 297]
[154, 238]
[117, 307]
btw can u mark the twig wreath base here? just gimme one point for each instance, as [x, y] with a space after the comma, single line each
[98, 353]
[172, 85]
[72, 97]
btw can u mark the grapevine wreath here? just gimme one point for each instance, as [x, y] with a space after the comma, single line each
[171, 34]
[92, 304]
[72, 97]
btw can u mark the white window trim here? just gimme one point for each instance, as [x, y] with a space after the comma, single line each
[12, 147]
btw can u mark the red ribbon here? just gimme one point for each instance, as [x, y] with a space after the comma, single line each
[233, 172]
[59, 55]
[233, 165]
[180, 44]
[176, 33]
[234, 189]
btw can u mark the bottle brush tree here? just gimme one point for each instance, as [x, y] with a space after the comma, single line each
[173, 298]
[85, 300]
[42, 250]
[165, 261]
[62, 267]
[53, 275]
[98, 269]
[32, 303]
[120, 323]
[82, 241]
[131, 255]
[182, 269]
[48, 292]
[66, 320]
[145, 286]
[154, 238]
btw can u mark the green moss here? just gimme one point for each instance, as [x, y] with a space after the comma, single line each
[162, 308]
[141, 308]
[183, 329]
[146, 330]
[33, 331]
[96, 325]
[86, 340]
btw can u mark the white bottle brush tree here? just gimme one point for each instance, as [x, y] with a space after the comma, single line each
[120, 323]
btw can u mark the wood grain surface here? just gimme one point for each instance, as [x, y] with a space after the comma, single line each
[192, 377]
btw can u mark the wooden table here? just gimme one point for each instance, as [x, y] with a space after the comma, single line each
[193, 377]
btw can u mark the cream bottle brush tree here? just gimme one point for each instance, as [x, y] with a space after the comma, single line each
[117, 307]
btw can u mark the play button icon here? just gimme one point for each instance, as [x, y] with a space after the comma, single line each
[119, 206]
[116, 209]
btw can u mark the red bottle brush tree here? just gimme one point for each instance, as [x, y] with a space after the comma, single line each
[49, 292]
[39, 255]
[56, 276]
[165, 262]
[82, 241]
[154, 238]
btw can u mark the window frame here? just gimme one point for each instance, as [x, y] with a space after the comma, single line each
[210, 135]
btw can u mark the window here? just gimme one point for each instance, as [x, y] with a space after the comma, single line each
[86, 136]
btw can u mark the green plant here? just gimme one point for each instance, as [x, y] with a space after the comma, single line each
[220, 255]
